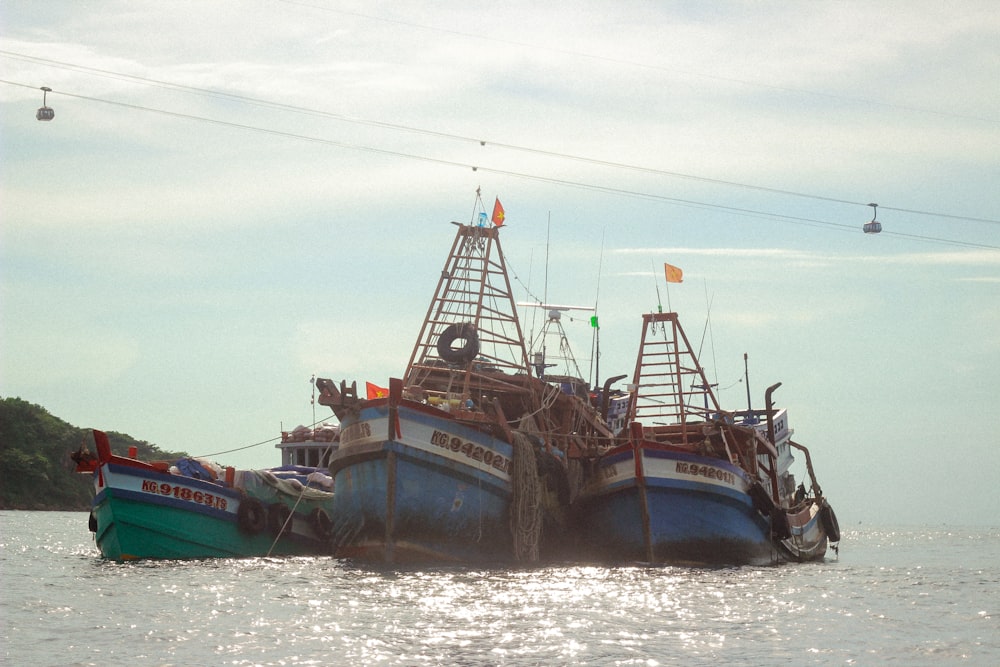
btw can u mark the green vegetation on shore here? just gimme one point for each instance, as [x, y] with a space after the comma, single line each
[36, 472]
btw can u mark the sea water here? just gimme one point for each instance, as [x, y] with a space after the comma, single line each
[910, 596]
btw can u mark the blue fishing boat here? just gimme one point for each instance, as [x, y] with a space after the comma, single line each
[689, 483]
[464, 458]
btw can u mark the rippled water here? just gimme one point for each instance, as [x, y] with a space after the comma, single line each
[910, 596]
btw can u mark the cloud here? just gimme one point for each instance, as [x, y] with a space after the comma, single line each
[951, 258]
[985, 279]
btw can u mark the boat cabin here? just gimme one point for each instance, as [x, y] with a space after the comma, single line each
[309, 447]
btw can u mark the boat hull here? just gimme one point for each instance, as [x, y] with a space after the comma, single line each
[415, 485]
[142, 513]
[659, 506]
[808, 539]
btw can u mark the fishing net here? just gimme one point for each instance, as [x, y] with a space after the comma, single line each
[525, 510]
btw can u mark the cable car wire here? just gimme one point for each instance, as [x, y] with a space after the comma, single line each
[534, 177]
[468, 139]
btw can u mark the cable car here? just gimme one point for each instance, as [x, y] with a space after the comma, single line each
[46, 112]
[873, 227]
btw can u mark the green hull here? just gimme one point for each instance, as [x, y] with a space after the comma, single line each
[141, 514]
[129, 530]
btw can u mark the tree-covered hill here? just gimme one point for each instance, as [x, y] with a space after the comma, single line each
[36, 472]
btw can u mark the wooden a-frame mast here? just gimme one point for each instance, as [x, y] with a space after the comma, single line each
[474, 289]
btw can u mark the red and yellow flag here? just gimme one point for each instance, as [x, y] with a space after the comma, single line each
[375, 391]
[498, 214]
[674, 273]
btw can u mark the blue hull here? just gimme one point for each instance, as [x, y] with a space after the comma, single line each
[414, 497]
[664, 513]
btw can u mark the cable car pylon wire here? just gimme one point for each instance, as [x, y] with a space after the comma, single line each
[545, 179]
[478, 140]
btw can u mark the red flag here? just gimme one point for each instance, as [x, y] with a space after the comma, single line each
[498, 214]
[375, 391]
[674, 274]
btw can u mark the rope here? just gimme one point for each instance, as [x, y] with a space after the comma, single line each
[550, 394]
[525, 514]
[575, 478]
[256, 444]
[287, 520]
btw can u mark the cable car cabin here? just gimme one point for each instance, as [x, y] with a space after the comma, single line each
[45, 113]
[873, 227]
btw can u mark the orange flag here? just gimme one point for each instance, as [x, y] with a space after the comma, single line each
[674, 273]
[375, 391]
[498, 214]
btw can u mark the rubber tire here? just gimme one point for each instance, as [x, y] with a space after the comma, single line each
[464, 354]
[277, 515]
[251, 517]
[830, 524]
[321, 523]
[762, 501]
[780, 530]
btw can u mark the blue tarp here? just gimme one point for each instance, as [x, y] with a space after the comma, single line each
[191, 468]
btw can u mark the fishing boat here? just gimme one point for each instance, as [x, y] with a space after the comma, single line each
[465, 458]
[689, 483]
[193, 508]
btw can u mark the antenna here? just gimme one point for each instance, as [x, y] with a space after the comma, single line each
[553, 328]
[656, 283]
[746, 374]
[548, 236]
[595, 352]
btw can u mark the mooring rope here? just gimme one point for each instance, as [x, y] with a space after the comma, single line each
[288, 519]
[526, 506]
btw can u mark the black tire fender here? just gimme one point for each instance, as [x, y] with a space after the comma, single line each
[762, 501]
[321, 523]
[830, 524]
[780, 530]
[251, 516]
[278, 519]
[459, 355]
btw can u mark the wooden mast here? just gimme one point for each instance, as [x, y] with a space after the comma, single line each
[473, 297]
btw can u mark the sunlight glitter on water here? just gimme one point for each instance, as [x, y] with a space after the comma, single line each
[914, 597]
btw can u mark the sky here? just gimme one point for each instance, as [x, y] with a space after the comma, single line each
[236, 196]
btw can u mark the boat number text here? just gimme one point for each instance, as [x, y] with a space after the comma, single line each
[184, 493]
[356, 432]
[705, 471]
[474, 452]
